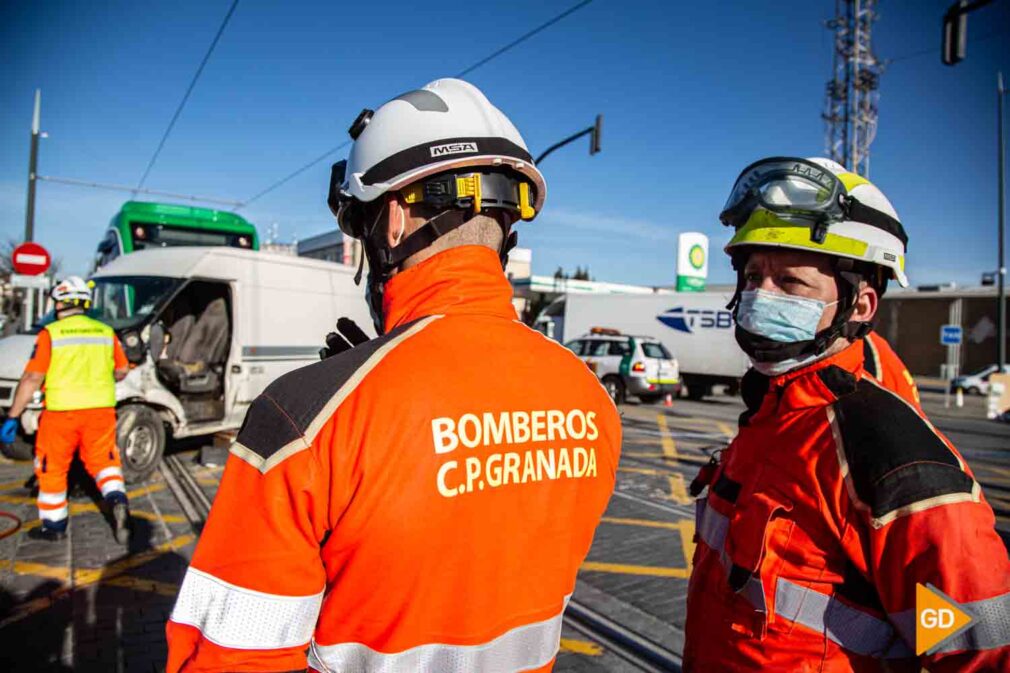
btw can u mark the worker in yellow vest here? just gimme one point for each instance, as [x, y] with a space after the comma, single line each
[79, 359]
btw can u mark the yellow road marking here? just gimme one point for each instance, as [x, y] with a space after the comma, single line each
[7, 485]
[144, 490]
[39, 569]
[642, 470]
[151, 516]
[678, 492]
[581, 647]
[140, 584]
[86, 576]
[726, 429]
[669, 446]
[620, 568]
[687, 542]
[645, 523]
[643, 454]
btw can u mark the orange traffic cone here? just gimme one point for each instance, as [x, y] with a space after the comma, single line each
[668, 401]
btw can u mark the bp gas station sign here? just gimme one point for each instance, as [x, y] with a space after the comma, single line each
[692, 261]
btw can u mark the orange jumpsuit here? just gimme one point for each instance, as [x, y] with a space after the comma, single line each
[421, 502]
[59, 435]
[835, 500]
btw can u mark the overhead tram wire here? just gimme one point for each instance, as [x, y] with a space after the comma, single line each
[189, 90]
[523, 38]
[511, 45]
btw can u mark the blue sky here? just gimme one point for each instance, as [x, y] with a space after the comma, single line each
[691, 93]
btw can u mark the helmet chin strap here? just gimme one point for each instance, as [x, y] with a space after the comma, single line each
[384, 259]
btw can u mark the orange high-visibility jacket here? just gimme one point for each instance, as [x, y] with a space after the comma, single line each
[882, 363]
[421, 502]
[834, 500]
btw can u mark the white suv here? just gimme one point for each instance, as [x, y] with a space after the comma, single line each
[629, 365]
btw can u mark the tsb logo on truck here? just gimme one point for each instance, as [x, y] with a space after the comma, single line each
[691, 319]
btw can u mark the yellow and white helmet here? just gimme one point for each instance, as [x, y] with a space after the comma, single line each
[72, 289]
[816, 205]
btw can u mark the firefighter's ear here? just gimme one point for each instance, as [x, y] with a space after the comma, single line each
[867, 302]
[396, 223]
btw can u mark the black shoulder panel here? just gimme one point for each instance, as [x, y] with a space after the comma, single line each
[837, 380]
[753, 388]
[284, 411]
[895, 459]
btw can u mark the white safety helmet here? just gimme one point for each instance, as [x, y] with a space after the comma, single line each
[445, 125]
[71, 290]
[817, 205]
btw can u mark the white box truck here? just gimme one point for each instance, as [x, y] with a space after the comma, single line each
[205, 330]
[694, 326]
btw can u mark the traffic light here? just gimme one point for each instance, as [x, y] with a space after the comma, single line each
[955, 33]
[594, 138]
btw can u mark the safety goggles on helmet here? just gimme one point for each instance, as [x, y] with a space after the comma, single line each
[798, 189]
[464, 189]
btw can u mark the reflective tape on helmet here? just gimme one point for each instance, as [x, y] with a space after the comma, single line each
[530, 646]
[852, 180]
[243, 619]
[764, 228]
[851, 629]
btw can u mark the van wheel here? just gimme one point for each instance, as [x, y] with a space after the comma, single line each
[140, 436]
[23, 448]
[615, 388]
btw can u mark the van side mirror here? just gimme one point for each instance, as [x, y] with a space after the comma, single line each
[157, 340]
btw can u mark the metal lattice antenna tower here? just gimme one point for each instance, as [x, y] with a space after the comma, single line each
[850, 111]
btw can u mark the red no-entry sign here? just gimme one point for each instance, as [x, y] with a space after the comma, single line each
[30, 259]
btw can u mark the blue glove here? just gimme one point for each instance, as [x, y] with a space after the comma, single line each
[9, 431]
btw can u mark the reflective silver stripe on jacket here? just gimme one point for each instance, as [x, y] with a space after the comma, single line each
[520, 649]
[852, 629]
[81, 341]
[991, 628]
[243, 619]
[712, 528]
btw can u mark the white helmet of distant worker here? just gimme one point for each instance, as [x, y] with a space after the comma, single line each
[72, 290]
[444, 147]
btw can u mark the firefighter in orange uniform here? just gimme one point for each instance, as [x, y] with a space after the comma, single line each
[837, 497]
[420, 502]
[79, 359]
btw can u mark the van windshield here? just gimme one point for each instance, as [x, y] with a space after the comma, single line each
[126, 301]
[122, 302]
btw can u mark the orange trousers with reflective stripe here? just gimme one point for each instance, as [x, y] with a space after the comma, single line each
[59, 436]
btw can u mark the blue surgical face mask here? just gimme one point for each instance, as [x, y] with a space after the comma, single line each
[784, 318]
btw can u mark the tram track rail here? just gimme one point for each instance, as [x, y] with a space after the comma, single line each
[618, 639]
[194, 502]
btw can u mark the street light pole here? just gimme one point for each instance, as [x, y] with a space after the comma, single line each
[33, 159]
[1001, 147]
[594, 142]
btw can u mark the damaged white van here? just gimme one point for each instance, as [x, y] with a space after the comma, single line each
[205, 330]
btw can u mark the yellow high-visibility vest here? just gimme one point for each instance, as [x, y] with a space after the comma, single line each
[80, 374]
